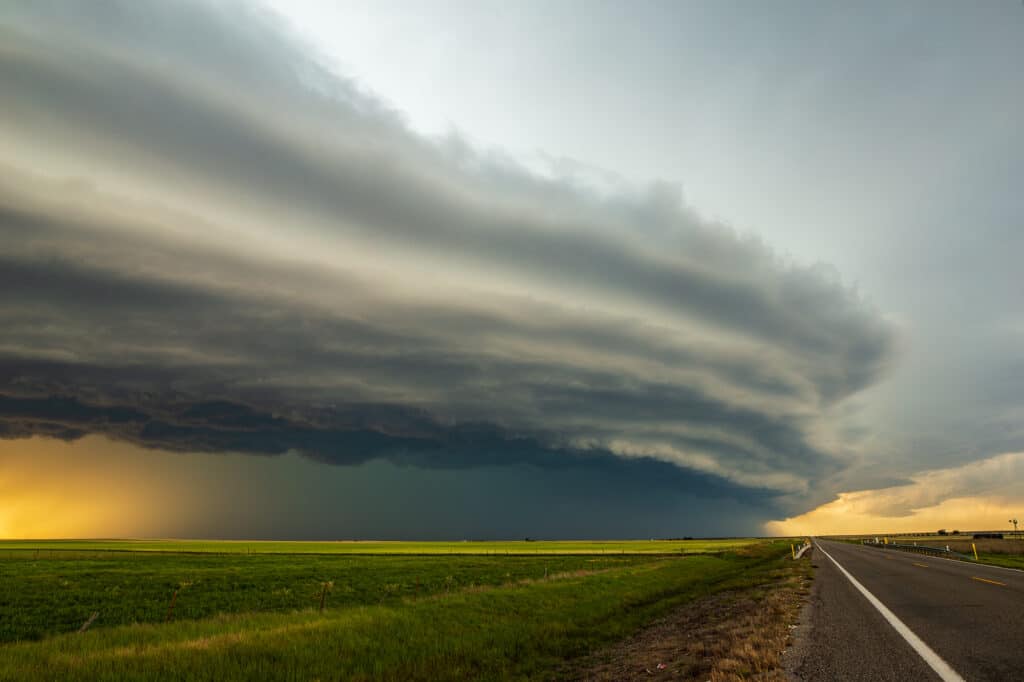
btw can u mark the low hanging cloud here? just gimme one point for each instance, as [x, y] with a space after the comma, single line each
[211, 242]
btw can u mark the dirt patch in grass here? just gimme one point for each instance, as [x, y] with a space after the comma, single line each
[734, 635]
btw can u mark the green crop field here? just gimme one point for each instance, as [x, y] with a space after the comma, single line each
[252, 611]
[57, 592]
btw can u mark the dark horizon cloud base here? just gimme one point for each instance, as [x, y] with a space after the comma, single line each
[211, 243]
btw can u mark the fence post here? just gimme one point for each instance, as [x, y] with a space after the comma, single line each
[86, 624]
[170, 608]
[323, 593]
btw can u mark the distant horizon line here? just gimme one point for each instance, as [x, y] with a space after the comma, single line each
[507, 539]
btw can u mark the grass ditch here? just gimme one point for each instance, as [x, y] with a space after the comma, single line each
[738, 633]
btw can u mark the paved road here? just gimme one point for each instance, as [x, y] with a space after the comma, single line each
[971, 616]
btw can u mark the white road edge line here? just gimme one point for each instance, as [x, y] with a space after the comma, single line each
[943, 669]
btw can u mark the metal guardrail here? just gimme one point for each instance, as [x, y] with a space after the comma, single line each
[798, 552]
[920, 549]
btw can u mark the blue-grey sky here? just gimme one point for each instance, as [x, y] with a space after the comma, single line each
[629, 268]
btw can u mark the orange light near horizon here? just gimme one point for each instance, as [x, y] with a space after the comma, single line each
[89, 488]
[851, 515]
[976, 495]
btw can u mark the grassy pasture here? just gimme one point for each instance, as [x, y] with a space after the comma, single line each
[57, 592]
[409, 615]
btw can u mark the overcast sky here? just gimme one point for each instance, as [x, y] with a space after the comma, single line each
[403, 269]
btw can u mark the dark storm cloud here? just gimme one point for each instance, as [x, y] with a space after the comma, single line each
[151, 122]
[336, 438]
[210, 243]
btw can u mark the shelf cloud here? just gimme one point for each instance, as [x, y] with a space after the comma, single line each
[210, 242]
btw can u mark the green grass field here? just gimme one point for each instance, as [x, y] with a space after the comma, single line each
[57, 592]
[418, 613]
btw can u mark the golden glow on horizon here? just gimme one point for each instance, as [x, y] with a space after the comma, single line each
[90, 488]
[95, 487]
[979, 495]
[849, 515]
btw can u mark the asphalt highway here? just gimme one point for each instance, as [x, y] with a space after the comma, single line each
[969, 617]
